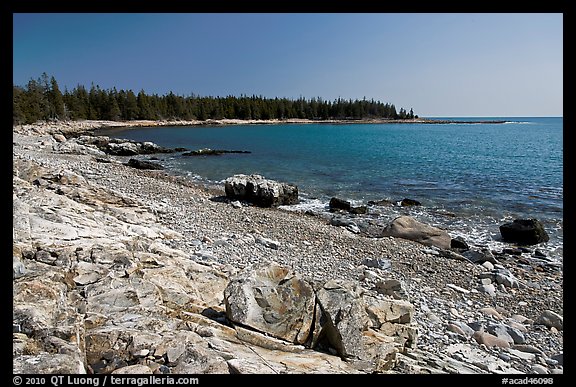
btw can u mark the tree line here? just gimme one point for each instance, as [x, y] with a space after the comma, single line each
[41, 99]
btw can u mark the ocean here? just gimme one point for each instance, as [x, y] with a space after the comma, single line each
[469, 177]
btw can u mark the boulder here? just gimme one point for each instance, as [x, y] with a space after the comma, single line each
[459, 243]
[272, 299]
[341, 318]
[143, 164]
[260, 191]
[123, 149]
[524, 231]
[339, 204]
[408, 228]
[409, 202]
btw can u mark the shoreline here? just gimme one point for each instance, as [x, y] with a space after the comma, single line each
[209, 232]
[72, 127]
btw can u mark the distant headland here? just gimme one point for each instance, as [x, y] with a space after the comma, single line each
[42, 100]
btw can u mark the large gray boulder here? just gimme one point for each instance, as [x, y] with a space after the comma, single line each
[335, 316]
[409, 228]
[341, 318]
[260, 191]
[272, 299]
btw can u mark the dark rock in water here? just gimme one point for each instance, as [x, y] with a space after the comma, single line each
[359, 210]
[409, 202]
[143, 164]
[459, 243]
[212, 152]
[339, 204]
[178, 149]
[524, 231]
[260, 191]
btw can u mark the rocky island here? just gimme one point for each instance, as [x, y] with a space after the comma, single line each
[119, 269]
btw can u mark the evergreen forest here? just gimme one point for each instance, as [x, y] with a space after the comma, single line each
[42, 100]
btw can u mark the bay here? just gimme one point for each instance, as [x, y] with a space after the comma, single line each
[469, 177]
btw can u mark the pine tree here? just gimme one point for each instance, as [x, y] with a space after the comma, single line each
[56, 101]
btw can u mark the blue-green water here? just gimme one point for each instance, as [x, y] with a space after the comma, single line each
[485, 174]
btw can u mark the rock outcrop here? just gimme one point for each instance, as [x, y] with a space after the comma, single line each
[260, 191]
[335, 316]
[97, 289]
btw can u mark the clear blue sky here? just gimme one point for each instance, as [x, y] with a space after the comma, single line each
[450, 65]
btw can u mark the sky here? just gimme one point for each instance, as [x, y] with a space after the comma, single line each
[440, 65]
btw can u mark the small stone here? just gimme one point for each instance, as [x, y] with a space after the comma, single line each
[539, 369]
[141, 353]
[488, 265]
[527, 348]
[489, 289]
[455, 313]
[236, 204]
[504, 356]
[458, 288]
[491, 312]
[380, 263]
[268, 243]
[371, 275]
[550, 319]
[59, 138]
[490, 340]
[133, 369]
[551, 362]
[521, 354]
[456, 329]
[521, 319]
[559, 357]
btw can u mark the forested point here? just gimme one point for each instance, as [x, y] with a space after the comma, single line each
[42, 100]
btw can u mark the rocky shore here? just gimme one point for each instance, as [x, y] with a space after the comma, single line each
[75, 127]
[125, 270]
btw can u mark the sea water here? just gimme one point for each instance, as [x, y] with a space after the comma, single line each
[469, 177]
